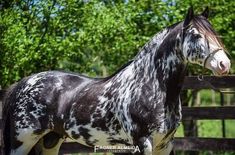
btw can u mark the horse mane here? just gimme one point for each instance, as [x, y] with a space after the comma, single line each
[204, 26]
[199, 21]
[144, 48]
[120, 69]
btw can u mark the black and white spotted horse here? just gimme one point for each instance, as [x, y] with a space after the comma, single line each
[137, 106]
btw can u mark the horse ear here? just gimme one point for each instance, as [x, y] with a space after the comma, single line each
[205, 13]
[188, 17]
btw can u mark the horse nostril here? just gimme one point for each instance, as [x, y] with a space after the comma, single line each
[222, 65]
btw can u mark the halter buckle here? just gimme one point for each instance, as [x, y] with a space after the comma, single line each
[200, 77]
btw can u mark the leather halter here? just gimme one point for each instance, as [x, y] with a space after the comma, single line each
[200, 76]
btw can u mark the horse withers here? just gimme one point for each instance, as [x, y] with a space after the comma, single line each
[138, 105]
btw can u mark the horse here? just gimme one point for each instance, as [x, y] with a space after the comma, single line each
[139, 105]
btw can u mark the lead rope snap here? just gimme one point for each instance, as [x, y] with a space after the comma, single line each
[200, 77]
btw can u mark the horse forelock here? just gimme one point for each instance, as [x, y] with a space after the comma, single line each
[199, 40]
[205, 27]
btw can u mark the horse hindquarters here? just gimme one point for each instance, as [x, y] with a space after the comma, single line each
[19, 141]
[21, 131]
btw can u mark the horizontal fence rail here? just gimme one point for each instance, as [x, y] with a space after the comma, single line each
[195, 113]
[209, 82]
[200, 144]
[189, 113]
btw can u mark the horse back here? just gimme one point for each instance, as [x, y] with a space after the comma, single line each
[44, 98]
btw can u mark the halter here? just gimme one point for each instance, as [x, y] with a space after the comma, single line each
[200, 77]
[209, 55]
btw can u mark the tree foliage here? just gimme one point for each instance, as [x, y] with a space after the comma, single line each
[90, 36]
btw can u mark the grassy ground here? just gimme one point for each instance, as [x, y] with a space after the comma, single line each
[212, 128]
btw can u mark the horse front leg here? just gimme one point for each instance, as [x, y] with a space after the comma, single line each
[147, 147]
[49, 144]
[42, 150]
[166, 150]
[162, 142]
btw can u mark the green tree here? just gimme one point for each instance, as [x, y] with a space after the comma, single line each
[92, 37]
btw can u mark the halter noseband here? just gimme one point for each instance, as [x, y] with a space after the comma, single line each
[200, 76]
[209, 55]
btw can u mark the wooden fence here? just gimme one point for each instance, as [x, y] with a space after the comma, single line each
[193, 113]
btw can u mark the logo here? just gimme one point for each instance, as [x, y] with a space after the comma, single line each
[117, 149]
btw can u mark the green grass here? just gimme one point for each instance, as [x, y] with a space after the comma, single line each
[230, 128]
[180, 131]
[211, 128]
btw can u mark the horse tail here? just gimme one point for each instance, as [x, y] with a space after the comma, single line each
[2, 93]
[7, 96]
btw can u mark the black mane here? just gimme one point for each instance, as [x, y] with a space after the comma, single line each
[120, 69]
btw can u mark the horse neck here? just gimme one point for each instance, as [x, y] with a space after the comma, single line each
[148, 82]
[158, 63]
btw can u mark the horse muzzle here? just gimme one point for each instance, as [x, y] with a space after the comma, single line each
[219, 63]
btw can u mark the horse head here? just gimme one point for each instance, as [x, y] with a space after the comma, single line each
[201, 45]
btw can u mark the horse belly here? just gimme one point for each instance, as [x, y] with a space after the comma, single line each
[90, 136]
